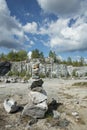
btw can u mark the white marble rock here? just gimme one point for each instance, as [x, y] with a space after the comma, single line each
[10, 105]
[37, 97]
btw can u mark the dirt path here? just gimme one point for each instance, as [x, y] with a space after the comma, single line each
[74, 99]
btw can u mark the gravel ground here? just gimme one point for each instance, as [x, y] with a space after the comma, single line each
[73, 99]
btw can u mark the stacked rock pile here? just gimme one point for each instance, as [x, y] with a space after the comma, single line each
[37, 105]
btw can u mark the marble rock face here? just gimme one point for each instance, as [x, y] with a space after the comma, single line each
[5, 67]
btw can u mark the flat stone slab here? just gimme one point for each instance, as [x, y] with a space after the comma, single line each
[35, 111]
[37, 83]
[38, 97]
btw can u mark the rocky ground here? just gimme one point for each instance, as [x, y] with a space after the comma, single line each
[70, 94]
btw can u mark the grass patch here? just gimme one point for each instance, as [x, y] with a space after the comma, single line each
[85, 97]
[61, 109]
[24, 119]
[80, 84]
[81, 121]
[68, 96]
[49, 118]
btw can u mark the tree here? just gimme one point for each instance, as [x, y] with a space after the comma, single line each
[52, 55]
[81, 62]
[17, 56]
[22, 55]
[69, 61]
[41, 55]
[11, 56]
[75, 63]
[74, 73]
[3, 57]
[37, 54]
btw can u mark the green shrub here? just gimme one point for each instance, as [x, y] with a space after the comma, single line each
[80, 84]
[27, 76]
[74, 73]
[13, 73]
[54, 76]
[42, 75]
[22, 74]
[10, 73]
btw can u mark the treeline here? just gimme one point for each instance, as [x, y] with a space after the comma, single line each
[14, 56]
[22, 55]
[77, 63]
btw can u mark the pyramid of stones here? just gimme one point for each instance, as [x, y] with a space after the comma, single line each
[37, 96]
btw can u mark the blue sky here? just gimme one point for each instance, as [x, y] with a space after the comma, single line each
[58, 25]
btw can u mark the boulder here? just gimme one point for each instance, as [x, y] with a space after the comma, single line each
[4, 67]
[10, 105]
[37, 83]
[35, 111]
[38, 89]
[37, 97]
[35, 71]
[35, 76]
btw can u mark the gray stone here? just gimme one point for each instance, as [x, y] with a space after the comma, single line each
[37, 105]
[37, 83]
[32, 121]
[10, 105]
[38, 89]
[7, 81]
[35, 65]
[35, 76]
[5, 67]
[56, 114]
[35, 111]
[28, 127]
[63, 123]
[35, 71]
[8, 126]
[37, 97]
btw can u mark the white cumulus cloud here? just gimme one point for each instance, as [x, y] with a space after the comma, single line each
[30, 27]
[65, 38]
[68, 32]
[60, 36]
[10, 29]
[12, 32]
[63, 7]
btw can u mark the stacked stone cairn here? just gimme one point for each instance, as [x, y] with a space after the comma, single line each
[37, 104]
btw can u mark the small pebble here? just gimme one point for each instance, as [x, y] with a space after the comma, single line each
[28, 127]
[75, 114]
[8, 126]
[56, 114]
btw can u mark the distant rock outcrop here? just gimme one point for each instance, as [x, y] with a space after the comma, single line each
[49, 70]
[54, 70]
[4, 67]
